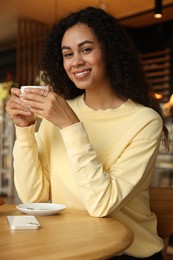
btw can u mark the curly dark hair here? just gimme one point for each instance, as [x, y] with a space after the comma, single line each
[121, 58]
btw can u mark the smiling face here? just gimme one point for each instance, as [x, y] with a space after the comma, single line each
[82, 58]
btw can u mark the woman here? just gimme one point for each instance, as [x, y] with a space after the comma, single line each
[98, 141]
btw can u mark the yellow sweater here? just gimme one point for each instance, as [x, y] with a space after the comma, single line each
[102, 164]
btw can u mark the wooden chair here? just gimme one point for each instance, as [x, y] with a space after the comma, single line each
[161, 200]
[1, 201]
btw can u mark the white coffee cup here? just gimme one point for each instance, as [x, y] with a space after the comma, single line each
[38, 87]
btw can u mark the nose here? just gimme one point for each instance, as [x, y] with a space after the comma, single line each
[77, 60]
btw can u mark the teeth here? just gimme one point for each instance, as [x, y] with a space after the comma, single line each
[81, 73]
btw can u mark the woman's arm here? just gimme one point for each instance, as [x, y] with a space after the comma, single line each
[106, 190]
[30, 168]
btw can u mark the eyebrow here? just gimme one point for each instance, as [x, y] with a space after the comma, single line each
[79, 45]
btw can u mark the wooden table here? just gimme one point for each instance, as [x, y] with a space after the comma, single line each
[71, 234]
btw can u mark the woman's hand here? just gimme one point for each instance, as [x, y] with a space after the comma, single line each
[50, 106]
[18, 111]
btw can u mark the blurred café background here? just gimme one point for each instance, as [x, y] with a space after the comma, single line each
[24, 25]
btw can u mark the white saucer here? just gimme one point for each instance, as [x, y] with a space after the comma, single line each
[41, 209]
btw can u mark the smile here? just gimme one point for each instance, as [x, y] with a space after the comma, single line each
[82, 73]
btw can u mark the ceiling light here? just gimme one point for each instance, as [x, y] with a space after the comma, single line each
[158, 9]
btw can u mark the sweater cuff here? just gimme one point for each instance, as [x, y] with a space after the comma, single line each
[25, 135]
[75, 137]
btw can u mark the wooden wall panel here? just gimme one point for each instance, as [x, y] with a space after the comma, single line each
[157, 67]
[31, 36]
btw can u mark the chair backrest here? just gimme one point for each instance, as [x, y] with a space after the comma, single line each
[161, 201]
[1, 201]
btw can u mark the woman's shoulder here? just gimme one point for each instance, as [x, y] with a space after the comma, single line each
[144, 111]
[75, 100]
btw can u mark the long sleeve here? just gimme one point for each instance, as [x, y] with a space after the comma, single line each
[105, 190]
[31, 174]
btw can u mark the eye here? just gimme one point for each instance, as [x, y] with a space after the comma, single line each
[67, 55]
[87, 50]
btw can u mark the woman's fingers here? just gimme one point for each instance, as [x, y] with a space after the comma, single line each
[18, 111]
